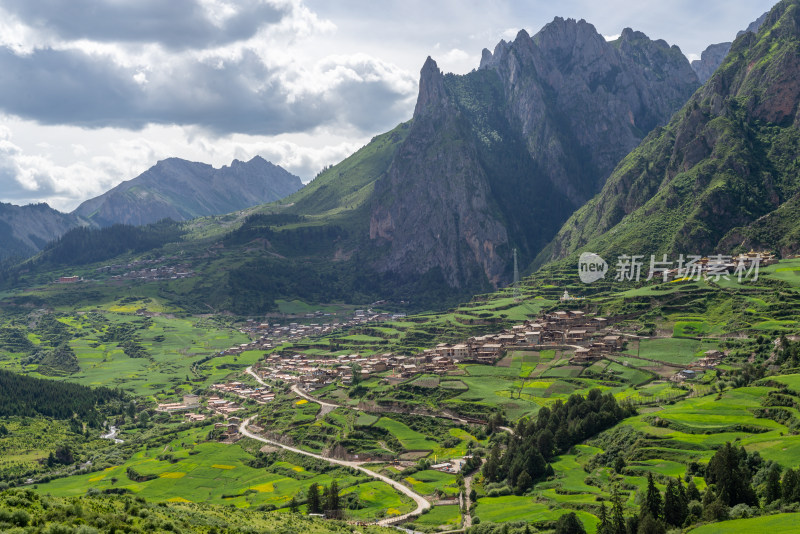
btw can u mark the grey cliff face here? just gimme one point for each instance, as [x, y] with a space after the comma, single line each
[434, 202]
[710, 59]
[568, 86]
[498, 158]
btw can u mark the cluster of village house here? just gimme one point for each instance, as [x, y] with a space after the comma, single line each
[134, 264]
[157, 273]
[588, 336]
[191, 404]
[216, 405]
[261, 394]
[271, 335]
[562, 329]
[311, 374]
[134, 272]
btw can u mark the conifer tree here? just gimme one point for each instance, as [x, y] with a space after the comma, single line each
[773, 490]
[692, 493]
[652, 502]
[314, 505]
[605, 526]
[332, 503]
[617, 513]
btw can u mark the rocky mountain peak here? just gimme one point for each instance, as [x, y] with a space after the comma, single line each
[432, 94]
[567, 34]
[486, 57]
[696, 184]
[497, 158]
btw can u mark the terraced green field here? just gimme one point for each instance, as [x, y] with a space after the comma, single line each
[410, 439]
[792, 381]
[211, 472]
[706, 422]
[174, 346]
[670, 350]
[428, 481]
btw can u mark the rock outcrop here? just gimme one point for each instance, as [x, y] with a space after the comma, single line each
[722, 174]
[498, 158]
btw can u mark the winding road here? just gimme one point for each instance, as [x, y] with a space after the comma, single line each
[327, 407]
[422, 503]
[252, 373]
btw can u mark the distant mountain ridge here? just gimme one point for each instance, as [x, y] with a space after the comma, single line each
[25, 230]
[173, 188]
[180, 190]
[713, 56]
[722, 175]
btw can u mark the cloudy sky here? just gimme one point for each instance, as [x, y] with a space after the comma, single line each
[93, 92]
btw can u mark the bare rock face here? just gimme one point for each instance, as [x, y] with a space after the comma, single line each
[498, 158]
[433, 207]
[710, 59]
[574, 94]
[180, 190]
[722, 174]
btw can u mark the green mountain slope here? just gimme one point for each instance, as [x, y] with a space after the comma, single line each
[722, 175]
[347, 185]
[25, 230]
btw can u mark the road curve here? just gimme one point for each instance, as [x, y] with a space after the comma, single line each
[422, 503]
[325, 407]
[252, 373]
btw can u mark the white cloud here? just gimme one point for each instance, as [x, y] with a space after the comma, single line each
[509, 34]
[65, 178]
[457, 61]
[612, 37]
[300, 82]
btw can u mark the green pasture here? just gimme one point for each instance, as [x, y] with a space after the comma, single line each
[410, 439]
[791, 381]
[514, 508]
[378, 498]
[768, 523]
[678, 351]
[198, 471]
[428, 481]
[447, 516]
[174, 347]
